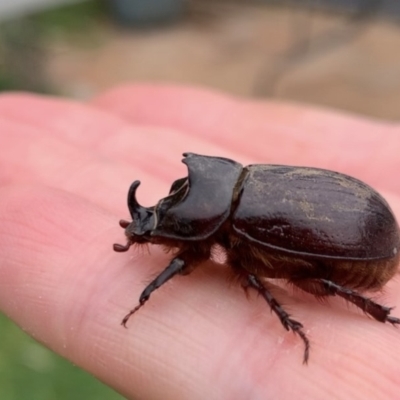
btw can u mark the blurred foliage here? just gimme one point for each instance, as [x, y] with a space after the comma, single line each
[29, 371]
[73, 21]
[24, 42]
[23, 59]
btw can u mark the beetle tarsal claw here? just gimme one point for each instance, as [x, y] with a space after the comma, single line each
[306, 344]
[296, 327]
[127, 316]
[393, 320]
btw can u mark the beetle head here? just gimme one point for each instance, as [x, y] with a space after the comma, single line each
[195, 208]
[145, 219]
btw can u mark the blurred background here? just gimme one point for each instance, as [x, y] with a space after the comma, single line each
[343, 54]
[336, 53]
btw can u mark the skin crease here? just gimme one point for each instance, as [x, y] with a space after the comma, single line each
[65, 169]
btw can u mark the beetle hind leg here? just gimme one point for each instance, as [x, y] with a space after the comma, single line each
[324, 287]
[287, 322]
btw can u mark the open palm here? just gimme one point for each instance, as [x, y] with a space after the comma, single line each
[65, 171]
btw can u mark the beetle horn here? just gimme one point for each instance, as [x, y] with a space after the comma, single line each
[142, 217]
[134, 207]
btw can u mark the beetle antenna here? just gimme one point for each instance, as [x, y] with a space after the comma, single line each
[121, 248]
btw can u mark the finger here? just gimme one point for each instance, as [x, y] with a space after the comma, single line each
[97, 131]
[289, 134]
[31, 158]
[267, 131]
[40, 148]
[75, 123]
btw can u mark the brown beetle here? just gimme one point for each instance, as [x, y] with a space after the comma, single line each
[324, 232]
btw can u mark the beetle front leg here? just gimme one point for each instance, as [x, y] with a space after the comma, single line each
[176, 266]
[287, 322]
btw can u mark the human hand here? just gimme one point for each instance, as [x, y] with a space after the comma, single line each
[65, 171]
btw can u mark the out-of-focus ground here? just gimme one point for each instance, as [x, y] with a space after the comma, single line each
[247, 50]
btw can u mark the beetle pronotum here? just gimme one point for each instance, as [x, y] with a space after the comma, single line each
[324, 232]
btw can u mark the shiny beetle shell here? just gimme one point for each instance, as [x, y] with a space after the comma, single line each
[325, 232]
[315, 212]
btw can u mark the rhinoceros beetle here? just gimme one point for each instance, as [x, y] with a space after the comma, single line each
[323, 232]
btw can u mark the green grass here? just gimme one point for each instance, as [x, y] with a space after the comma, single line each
[29, 371]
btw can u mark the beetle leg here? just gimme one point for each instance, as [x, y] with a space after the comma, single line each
[376, 310]
[324, 287]
[287, 322]
[175, 267]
